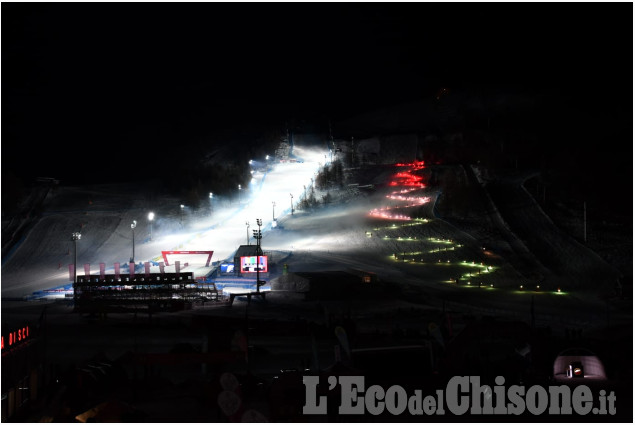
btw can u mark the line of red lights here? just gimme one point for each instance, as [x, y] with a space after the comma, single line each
[403, 179]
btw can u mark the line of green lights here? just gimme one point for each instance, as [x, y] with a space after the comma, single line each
[394, 226]
[433, 251]
[435, 240]
[386, 238]
[484, 269]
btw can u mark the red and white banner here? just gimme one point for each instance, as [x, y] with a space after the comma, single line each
[131, 268]
[147, 266]
[71, 272]
[117, 271]
[209, 255]
[87, 270]
[102, 271]
[162, 267]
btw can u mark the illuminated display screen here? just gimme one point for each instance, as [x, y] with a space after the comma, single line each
[251, 264]
[227, 268]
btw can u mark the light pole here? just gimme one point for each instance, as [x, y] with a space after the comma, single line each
[291, 194]
[273, 206]
[181, 214]
[150, 218]
[132, 226]
[239, 189]
[75, 237]
[247, 224]
[258, 237]
[211, 197]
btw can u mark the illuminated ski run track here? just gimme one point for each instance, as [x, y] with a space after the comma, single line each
[226, 229]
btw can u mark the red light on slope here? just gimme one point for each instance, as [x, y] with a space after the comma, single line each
[404, 179]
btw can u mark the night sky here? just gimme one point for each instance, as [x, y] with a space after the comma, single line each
[97, 84]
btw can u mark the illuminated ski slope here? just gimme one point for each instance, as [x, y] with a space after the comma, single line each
[226, 229]
[41, 261]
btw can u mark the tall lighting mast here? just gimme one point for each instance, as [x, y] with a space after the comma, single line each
[132, 227]
[258, 237]
[75, 237]
[150, 218]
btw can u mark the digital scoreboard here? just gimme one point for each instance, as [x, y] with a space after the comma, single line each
[254, 264]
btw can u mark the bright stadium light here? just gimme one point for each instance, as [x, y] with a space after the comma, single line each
[132, 226]
[75, 237]
[258, 237]
[150, 218]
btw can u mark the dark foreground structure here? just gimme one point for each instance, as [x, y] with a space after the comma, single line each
[250, 361]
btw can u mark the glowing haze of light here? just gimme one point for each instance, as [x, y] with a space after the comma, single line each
[324, 229]
[403, 179]
[225, 230]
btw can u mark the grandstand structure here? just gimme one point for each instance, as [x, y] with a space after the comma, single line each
[150, 292]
